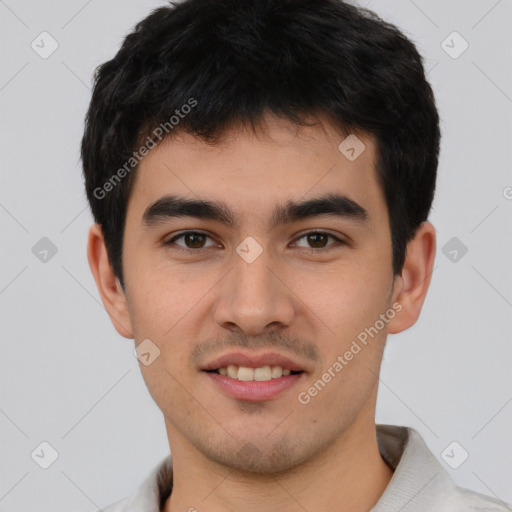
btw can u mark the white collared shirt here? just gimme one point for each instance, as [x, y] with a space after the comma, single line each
[419, 483]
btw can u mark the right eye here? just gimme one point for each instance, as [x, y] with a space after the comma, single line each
[191, 238]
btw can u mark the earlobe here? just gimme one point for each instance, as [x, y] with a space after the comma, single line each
[109, 287]
[413, 284]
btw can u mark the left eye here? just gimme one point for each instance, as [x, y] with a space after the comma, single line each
[197, 239]
[318, 237]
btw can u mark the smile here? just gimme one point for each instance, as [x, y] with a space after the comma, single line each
[260, 374]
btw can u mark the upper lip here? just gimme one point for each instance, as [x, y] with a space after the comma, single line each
[253, 361]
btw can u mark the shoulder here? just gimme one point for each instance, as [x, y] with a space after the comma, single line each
[471, 501]
[420, 482]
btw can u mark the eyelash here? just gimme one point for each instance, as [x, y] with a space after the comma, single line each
[188, 250]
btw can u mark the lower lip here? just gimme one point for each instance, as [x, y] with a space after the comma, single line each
[254, 391]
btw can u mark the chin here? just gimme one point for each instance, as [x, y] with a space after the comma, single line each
[253, 456]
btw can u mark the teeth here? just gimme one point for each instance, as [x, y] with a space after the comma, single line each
[276, 372]
[232, 371]
[247, 374]
[263, 373]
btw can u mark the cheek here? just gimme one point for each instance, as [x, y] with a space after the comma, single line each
[350, 306]
[347, 300]
[165, 308]
[162, 298]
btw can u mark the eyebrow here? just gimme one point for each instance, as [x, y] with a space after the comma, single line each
[334, 205]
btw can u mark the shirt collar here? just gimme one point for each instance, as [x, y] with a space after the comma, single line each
[419, 482]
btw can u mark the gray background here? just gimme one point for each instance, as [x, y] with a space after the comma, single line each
[68, 378]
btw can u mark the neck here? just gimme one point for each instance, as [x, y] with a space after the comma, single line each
[349, 476]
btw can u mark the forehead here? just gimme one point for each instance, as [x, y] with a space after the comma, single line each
[257, 172]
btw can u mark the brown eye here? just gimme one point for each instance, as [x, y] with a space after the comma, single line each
[196, 240]
[193, 240]
[318, 240]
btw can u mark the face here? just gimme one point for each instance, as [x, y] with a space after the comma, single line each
[256, 288]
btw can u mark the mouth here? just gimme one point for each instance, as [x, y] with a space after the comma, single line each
[254, 378]
[260, 374]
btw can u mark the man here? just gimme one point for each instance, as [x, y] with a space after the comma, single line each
[261, 174]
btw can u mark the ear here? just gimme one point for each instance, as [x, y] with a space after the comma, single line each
[109, 286]
[412, 285]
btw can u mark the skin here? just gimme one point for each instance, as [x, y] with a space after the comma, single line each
[276, 455]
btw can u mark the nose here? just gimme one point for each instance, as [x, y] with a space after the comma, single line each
[255, 298]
